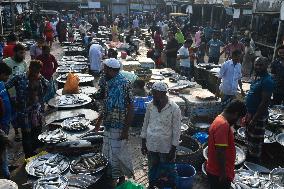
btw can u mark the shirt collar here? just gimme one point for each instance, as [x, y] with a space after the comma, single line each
[232, 63]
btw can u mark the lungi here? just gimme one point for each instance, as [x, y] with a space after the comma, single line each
[255, 138]
[111, 150]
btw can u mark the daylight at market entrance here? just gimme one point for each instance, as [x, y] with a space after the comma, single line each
[141, 94]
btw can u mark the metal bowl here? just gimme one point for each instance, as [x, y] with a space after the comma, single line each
[269, 137]
[43, 182]
[280, 138]
[240, 155]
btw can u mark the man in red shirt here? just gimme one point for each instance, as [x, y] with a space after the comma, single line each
[221, 146]
[8, 50]
[49, 63]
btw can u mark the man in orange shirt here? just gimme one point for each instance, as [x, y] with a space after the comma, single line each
[221, 146]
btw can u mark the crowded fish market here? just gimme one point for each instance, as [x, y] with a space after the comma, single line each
[157, 94]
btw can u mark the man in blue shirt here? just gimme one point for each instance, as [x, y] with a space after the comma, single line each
[213, 49]
[257, 102]
[208, 31]
[5, 113]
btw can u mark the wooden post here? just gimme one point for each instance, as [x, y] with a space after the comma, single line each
[202, 12]
[12, 8]
[212, 14]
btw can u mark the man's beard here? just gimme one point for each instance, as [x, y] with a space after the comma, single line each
[157, 103]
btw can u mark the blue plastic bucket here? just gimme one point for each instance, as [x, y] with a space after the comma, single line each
[186, 174]
[201, 137]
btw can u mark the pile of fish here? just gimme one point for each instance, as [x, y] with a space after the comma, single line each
[70, 100]
[49, 164]
[89, 163]
[53, 137]
[51, 182]
[95, 137]
[247, 179]
[276, 115]
[75, 124]
[80, 181]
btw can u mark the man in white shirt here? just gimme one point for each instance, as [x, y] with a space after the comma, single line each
[161, 130]
[183, 56]
[136, 23]
[165, 30]
[96, 54]
[230, 76]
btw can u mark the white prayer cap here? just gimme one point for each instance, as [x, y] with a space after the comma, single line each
[160, 86]
[112, 63]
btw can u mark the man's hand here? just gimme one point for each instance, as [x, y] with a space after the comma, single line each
[124, 134]
[172, 154]
[144, 149]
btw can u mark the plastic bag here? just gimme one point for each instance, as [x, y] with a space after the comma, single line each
[125, 159]
[130, 185]
[72, 84]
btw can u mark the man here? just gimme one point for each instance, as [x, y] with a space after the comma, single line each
[83, 29]
[171, 51]
[165, 30]
[135, 24]
[208, 31]
[49, 66]
[35, 49]
[117, 114]
[220, 165]
[18, 65]
[96, 54]
[277, 69]
[213, 49]
[257, 102]
[183, 56]
[230, 76]
[161, 130]
[231, 47]
[129, 39]
[197, 37]
[180, 37]
[5, 115]
[11, 42]
[31, 88]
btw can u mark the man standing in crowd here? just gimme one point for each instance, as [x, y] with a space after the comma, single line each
[30, 90]
[183, 56]
[221, 146]
[230, 76]
[117, 114]
[83, 29]
[197, 37]
[96, 54]
[234, 45]
[5, 116]
[8, 50]
[257, 102]
[35, 49]
[171, 51]
[19, 66]
[161, 130]
[277, 70]
[213, 49]
[208, 31]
